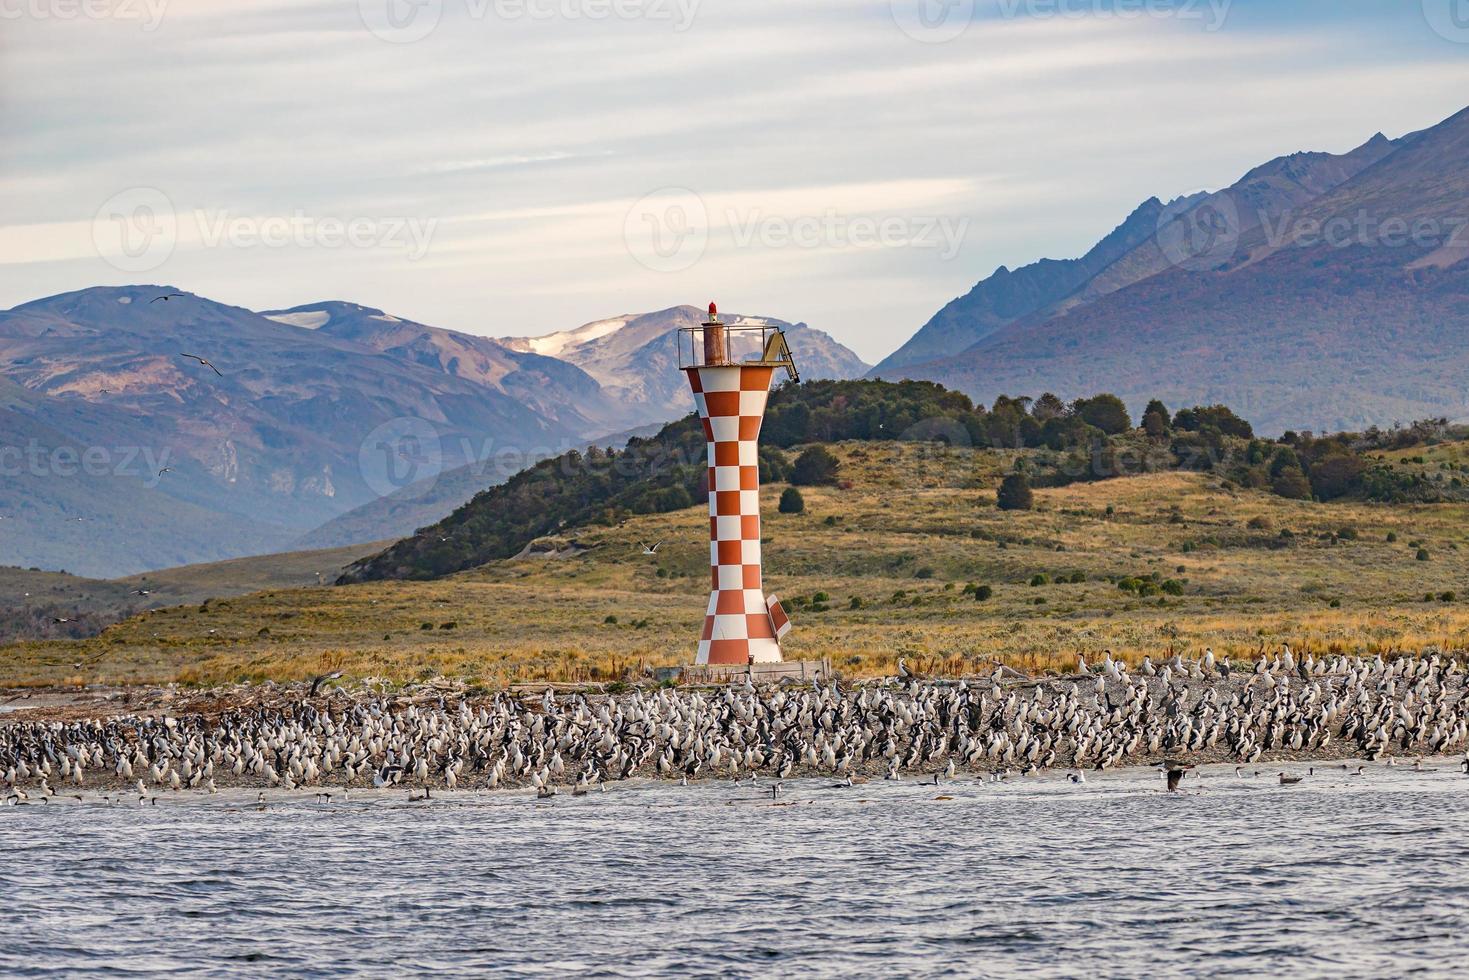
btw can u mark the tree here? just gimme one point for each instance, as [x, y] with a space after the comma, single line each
[1015, 493]
[1337, 475]
[815, 467]
[1106, 412]
[791, 502]
[1047, 407]
[1291, 483]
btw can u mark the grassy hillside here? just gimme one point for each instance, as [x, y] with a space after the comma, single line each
[886, 566]
[32, 600]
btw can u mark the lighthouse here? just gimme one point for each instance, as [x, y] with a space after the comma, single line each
[730, 368]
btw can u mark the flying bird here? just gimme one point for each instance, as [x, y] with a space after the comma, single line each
[203, 361]
[166, 469]
[653, 550]
[166, 298]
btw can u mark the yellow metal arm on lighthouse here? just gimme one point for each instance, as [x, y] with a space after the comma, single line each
[776, 352]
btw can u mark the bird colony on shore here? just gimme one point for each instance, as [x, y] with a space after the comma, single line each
[1106, 717]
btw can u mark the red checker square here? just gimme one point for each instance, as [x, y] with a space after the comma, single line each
[695, 382]
[750, 527]
[759, 626]
[755, 379]
[726, 454]
[750, 427]
[722, 403]
[729, 603]
[731, 552]
[752, 576]
[749, 478]
[727, 503]
[729, 651]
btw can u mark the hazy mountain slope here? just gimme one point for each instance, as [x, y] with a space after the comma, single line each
[1154, 239]
[1007, 296]
[1294, 331]
[275, 446]
[420, 504]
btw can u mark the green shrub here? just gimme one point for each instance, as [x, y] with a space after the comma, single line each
[983, 594]
[1173, 587]
[1040, 578]
[1449, 596]
[924, 572]
[816, 466]
[1422, 554]
[856, 603]
[1015, 493]
[791, 502]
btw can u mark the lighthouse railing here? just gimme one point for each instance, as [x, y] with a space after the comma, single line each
[715, 344]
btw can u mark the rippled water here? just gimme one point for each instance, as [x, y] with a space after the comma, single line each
[1338, 876]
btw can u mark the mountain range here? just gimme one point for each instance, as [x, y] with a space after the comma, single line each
[1320, 291]
[119, 452]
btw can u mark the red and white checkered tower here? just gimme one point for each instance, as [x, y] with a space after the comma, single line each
[729, 369]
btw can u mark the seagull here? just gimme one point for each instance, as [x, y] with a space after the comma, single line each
[203, 361]
[165, 299]
[316, 681]
[651, 550]
[1290, 780]
[166, 469]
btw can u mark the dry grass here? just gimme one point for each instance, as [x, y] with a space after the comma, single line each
[914, 529]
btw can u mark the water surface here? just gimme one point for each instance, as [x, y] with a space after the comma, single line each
[1338, 876]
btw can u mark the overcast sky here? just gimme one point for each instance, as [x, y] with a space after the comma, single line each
[512, 167]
